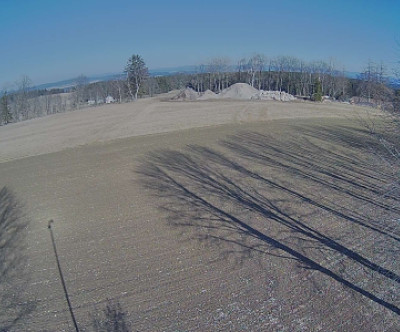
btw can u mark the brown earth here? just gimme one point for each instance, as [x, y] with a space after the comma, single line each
[204, 216]
[148, 116]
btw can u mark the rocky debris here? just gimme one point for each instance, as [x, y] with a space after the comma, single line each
[241, 91]
[274, 95]
[207, 95]
[185, 95]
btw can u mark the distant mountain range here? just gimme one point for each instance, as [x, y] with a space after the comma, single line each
[65, 84]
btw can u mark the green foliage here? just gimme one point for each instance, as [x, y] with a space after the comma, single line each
[317, 95]
[137, 73]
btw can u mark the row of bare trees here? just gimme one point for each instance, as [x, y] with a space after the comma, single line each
[294, 76]
[373, 87]
[25, 102]
[281, 73]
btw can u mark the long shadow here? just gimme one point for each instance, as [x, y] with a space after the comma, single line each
[361, 139]
[255, 203]
[320, 166]
[211, 190]
[112, 318]
[348, 174]
[13, 305]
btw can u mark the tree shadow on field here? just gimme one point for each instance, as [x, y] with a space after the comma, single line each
[111, 319]
[328, 163]
[13, 277]
[311, 198]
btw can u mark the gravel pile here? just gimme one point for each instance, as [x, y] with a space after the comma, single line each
[238, 91]
[274, 95]
[187, 94]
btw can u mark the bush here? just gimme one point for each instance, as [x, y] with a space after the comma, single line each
[317, 95]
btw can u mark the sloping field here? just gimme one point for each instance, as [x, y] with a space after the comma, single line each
[201, 216]
[149, 116]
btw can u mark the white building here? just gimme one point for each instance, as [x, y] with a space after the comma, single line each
[109, 100]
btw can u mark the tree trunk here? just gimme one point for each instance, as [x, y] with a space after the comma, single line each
[129, 86]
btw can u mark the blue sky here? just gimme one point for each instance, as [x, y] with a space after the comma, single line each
[51, 40]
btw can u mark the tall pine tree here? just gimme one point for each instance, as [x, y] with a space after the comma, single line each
[136, 73]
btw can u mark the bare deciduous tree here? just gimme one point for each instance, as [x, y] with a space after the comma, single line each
[241, 66]
[280, 63]
[22, 103]
[218, 67]
[6, 115]
[374, 87]
[119, 85]
[255, 68]
[81, 83]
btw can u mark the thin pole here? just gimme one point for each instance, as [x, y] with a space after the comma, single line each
[61, 276]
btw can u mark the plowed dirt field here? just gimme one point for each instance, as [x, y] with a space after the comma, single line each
[200, 216]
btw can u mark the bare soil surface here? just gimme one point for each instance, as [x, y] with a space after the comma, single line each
[203, 216]
[148, 116]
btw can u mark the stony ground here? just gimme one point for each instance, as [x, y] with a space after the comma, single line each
[202, 216]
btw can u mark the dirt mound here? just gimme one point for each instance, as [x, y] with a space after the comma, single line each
[274, 95]
[187, 94]
[239, 91]
[207, 95]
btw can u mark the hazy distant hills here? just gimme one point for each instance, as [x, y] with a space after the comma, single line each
[112, 76]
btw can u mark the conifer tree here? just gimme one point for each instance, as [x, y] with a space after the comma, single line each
[136, 73]
[317, 96]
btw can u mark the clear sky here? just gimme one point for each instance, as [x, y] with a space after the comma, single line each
[51, 40]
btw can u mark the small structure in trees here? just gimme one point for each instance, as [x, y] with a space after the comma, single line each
[110, 100]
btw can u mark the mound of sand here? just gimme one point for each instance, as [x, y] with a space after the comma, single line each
[187, 94]
[274, 95]
[239, 91]
[207, 95]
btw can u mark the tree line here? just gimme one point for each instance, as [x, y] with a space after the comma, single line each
[306, 80]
